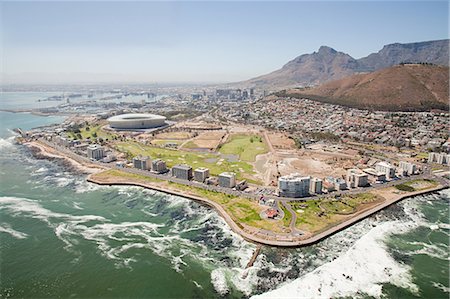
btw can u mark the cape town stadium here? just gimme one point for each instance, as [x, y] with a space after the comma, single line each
[136, 121]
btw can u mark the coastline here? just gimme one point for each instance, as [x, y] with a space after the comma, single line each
[45, 151]
[251, 234]
[252, 237]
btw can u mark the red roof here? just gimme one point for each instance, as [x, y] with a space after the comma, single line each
[271, 213]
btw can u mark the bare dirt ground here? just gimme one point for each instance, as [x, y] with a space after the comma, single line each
[313, 164]
[210, 139]
[281, 141]
[174, 135]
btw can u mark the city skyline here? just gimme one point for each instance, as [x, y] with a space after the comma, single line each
[71, 42]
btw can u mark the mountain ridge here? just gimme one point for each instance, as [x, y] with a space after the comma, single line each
[329, 64]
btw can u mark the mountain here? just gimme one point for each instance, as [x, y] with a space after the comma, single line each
[308, 69]
[435, 52]
[409, 87]
[328, 64]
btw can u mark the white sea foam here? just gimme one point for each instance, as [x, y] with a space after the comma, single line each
[6, 143]
[18, 206]
[364, 267]
[219, 281]
[6, 228]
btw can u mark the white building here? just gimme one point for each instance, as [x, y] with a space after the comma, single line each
[439, 158]
[227, 179]
[315, 186]
[407, 168]
[95, 152]
[386, 168]
[294, 185]
[201, 174]
[356, 178]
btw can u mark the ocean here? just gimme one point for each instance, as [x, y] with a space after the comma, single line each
[61, 236]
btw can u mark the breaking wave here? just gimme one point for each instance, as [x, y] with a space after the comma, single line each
[6, 228]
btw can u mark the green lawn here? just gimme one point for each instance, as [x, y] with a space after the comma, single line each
[173, 157]
[247, 147]
[416, 185]
[287, 216]
[318, 215]
[92, 131]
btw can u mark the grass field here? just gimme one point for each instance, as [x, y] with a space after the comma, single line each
[317, 215]
[92, 132]
[241, 210]
[416, 185]
[247, 147]
[172, 157]
[287, 216]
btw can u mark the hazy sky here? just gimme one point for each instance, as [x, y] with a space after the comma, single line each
[197, 41]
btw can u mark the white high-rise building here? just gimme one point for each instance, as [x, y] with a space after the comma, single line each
[407, 168]
[95, 152]
[356, 178]
[386, 168]
[294, 185]
[315, 186]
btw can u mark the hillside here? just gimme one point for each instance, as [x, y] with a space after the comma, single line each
[309, 69]
[328, 64]
[411, 87]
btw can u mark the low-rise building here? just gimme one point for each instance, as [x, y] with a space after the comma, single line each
[95, 152]
[242, 185]
[386, 168]
[407, 168]
[356, 178]
[294, 185]
[340, 184]
[375, 176]
[159, 166]
[182, 171]
[201, 174]
[143, 163]
[227, 179]
[315, 186]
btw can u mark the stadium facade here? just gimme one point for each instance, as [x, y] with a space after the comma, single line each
[132, 121]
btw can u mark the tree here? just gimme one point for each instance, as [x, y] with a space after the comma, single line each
[94, 134]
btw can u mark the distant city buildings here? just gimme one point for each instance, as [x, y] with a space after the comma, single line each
[227, 179]
[95, 152]
[294, 185]
[182, 171]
